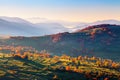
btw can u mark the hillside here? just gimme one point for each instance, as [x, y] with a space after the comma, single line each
[29, 66]
[99, 40]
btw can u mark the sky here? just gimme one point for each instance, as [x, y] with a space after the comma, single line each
[65, 10]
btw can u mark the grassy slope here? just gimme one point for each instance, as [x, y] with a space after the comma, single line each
[49, 69]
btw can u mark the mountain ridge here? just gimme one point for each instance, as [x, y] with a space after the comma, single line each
[99, 40]
[15, 26]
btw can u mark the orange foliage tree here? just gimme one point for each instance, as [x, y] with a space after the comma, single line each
[67, 68]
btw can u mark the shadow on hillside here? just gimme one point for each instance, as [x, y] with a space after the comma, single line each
[22, 74]
[30, 63]
[66, 75]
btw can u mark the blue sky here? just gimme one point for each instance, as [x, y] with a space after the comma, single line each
[59, 2]
[67, 10]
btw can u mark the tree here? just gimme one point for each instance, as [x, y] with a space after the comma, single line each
[115, 65]
[79, 57]
[67, 68]
[106, 63]
[98, 63]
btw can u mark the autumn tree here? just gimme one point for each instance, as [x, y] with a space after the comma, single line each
[98, 63]
[67, 68]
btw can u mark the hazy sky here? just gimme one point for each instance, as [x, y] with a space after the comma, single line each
[66, 10]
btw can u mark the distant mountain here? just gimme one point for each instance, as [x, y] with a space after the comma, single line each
[73, 26]
[14, 29]
[14, 19]
[18, 27]
[15, 26]
[106, 22]
[51, 28]
[98, 40]
[83, 25]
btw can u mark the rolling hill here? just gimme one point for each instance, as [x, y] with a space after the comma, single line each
[98, 40]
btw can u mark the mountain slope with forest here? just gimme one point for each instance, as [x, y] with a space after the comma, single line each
[99, 40]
